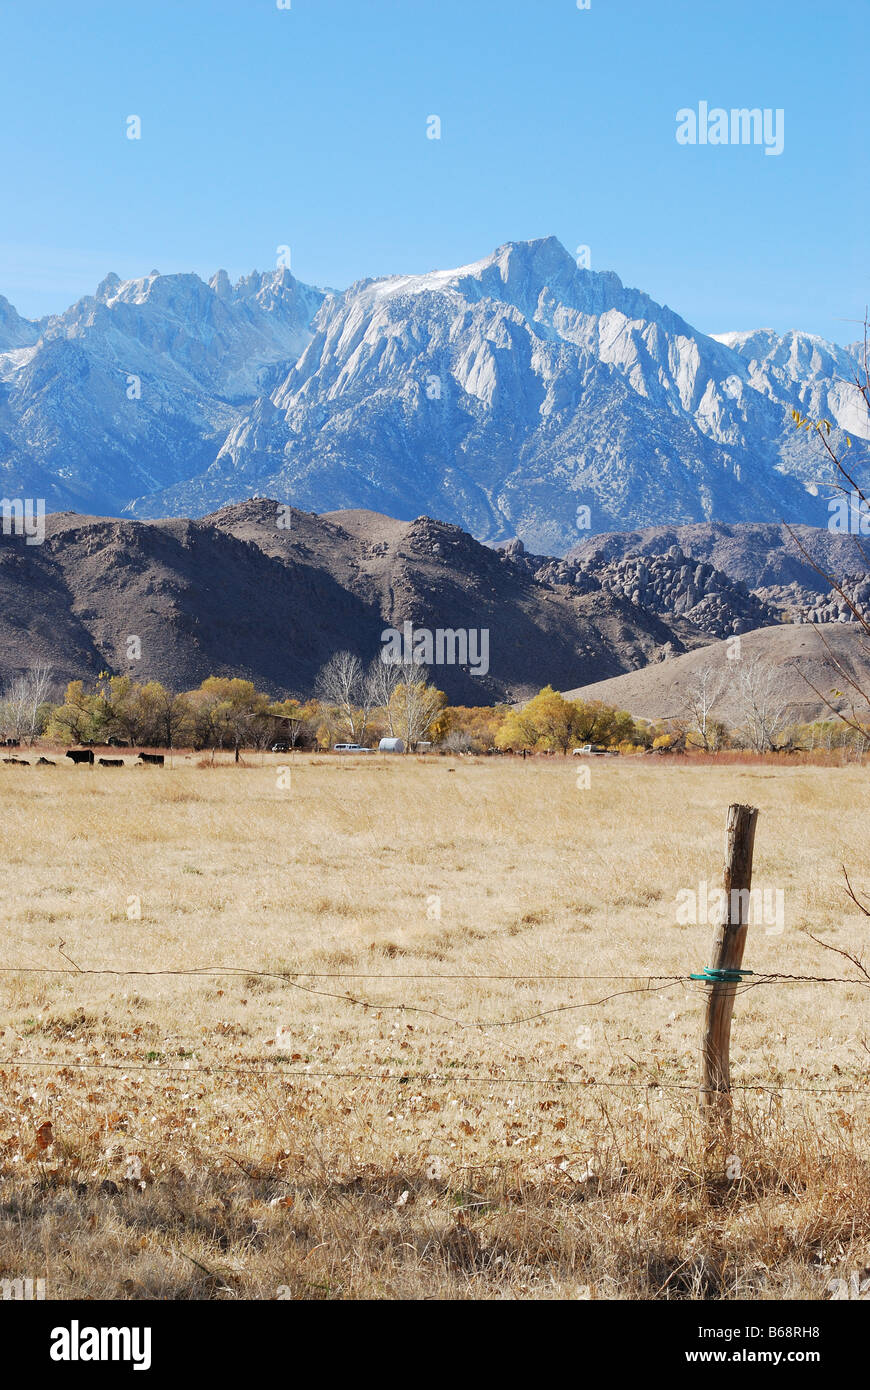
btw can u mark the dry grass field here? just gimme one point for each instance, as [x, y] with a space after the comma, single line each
[377, 1087]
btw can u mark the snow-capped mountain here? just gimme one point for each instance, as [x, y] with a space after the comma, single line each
[502, 395]
[136, 387]
[15, 332]
[818, 376]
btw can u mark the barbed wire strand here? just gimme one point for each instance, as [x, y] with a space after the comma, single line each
[405, 1078]
[230, 970]
[654, 984]
[290, 976]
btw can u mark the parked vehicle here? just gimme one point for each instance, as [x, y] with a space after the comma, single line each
[280, 748]
[350, 748]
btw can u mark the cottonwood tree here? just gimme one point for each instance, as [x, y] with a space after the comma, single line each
[415, 705]
[78, 719]
[233, 710]
[762, 701]
[595, 722]
[547, 721]
[122, 711]
[167, 717]
[555, 718]
[384, 679]
[23, 707]
[345, 685]
[457, 741]
[700, 696]
[479, 723]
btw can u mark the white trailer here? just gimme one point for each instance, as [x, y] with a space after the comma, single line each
[391, 745]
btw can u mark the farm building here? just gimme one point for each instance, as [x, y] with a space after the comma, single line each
[391, 745]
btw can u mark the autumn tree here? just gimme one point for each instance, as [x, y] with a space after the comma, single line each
[345, 685]
[123, 714]
[595, 722]
[415, 706]
[702, 692]
[548, 721]
[81, 717]
[473, 728]
[384, 677]
[230, 712]
[24, 706]
[167, 718]
[762, 701]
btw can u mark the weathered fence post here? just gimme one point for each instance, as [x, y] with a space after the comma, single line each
[724, 970]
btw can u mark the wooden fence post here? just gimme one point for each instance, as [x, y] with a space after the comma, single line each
[728, 943]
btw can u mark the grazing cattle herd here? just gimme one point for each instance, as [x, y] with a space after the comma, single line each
[77, 756]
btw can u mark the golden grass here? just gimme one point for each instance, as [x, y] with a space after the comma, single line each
[424, 1141]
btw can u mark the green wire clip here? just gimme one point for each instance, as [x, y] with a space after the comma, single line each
[719, 977]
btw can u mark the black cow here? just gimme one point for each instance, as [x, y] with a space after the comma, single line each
[81, 755]
[12, 743]
[155, 759]
[111, 762]
[18, 762]
[45, 762]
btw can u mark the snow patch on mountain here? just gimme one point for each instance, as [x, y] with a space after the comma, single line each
[506, 393]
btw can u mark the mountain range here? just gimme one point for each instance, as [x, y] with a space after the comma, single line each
[259, 592]
[505, 396]
[267, 592]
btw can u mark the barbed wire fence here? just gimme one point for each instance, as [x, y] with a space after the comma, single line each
[278, 1066]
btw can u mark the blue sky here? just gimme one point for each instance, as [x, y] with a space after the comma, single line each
[264, 127]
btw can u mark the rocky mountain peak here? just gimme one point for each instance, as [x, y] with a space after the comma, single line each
[507, 396]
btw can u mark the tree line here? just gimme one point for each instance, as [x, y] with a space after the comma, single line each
[352, 704]
[355, 703]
